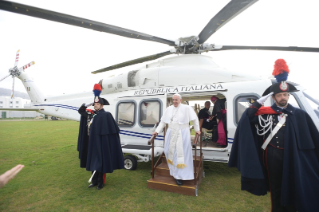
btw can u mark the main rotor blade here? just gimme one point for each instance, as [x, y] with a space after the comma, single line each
[278, 48]
[231, 10]
[132, 62]
[12, 91]
[77, 21]
[17, 58]
[5, 77]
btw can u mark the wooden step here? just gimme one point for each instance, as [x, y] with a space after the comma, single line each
[163, 169]
[163, 181]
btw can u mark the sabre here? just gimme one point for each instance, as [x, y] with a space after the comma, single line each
[90, 180]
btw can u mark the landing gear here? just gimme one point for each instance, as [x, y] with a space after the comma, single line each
[130, 162]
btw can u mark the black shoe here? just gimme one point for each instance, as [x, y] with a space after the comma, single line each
[100, 186]
[92, 185]
[179, 182]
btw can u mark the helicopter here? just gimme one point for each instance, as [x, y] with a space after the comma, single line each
[67, 43]
[155, 83]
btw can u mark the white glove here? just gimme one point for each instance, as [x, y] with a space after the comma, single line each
[262, 99]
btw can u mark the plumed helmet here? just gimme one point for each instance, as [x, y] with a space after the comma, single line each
[280, 87]
[280, 72]
[97, 99]
[101, 101]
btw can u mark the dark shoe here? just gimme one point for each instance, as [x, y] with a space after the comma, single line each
[92, 185]
[100, 186]
[179, 182]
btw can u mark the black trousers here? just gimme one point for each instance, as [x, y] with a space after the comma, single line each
[275, 169]
[97, 178]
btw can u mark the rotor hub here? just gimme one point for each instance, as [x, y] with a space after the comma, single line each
[187, 45]
[15, 72]
[190, 45]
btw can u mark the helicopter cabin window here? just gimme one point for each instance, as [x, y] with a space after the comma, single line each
[126, 114]
[241, 104]
[149, 113]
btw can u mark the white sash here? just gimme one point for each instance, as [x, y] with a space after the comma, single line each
[274, 131]
[176, 142]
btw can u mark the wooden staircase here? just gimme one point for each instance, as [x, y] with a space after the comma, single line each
[162, 180]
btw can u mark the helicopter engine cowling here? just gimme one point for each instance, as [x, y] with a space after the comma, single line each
[142, 78]
[192, 69]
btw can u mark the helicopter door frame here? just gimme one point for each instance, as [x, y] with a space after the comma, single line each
[135, 137]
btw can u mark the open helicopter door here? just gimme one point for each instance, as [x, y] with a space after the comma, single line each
[137, 117]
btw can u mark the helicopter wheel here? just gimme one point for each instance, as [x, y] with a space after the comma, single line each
[130, 162]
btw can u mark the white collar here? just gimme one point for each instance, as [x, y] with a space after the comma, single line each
[177, 106]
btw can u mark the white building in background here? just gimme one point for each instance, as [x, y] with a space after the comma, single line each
[16, 102]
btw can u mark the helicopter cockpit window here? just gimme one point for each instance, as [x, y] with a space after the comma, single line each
[149, 113]
[241, 104]
[126, 114]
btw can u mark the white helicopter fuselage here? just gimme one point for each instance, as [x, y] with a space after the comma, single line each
[139, 97]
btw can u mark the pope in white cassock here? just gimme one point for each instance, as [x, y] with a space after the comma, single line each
[178, 148]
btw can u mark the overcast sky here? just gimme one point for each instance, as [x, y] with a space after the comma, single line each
[65, 55]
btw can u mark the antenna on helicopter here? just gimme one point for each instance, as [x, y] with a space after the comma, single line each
[15, 71]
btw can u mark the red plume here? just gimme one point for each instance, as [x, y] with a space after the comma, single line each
[97, 87]
[280, 67]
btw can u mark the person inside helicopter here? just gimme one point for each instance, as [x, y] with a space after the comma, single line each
[206, 120]
[219, 111]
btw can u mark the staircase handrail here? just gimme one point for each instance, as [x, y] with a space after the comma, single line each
[151, 141]
[197, 169]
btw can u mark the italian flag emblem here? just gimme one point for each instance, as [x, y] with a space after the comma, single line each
[28, 88]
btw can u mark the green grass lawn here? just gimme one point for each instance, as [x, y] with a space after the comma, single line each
[52, 180]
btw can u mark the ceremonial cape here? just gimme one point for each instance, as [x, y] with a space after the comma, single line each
[300, 183]
[104, 147]
[83, 141]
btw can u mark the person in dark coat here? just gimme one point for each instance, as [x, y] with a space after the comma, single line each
[205, 118]
[83, 138]
[99, 142]
[219, 111]
[285, 161]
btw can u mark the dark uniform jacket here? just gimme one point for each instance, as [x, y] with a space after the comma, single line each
[205, 114]
[218, 106]
[104, 152]
[83, 138]
[300, 181]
